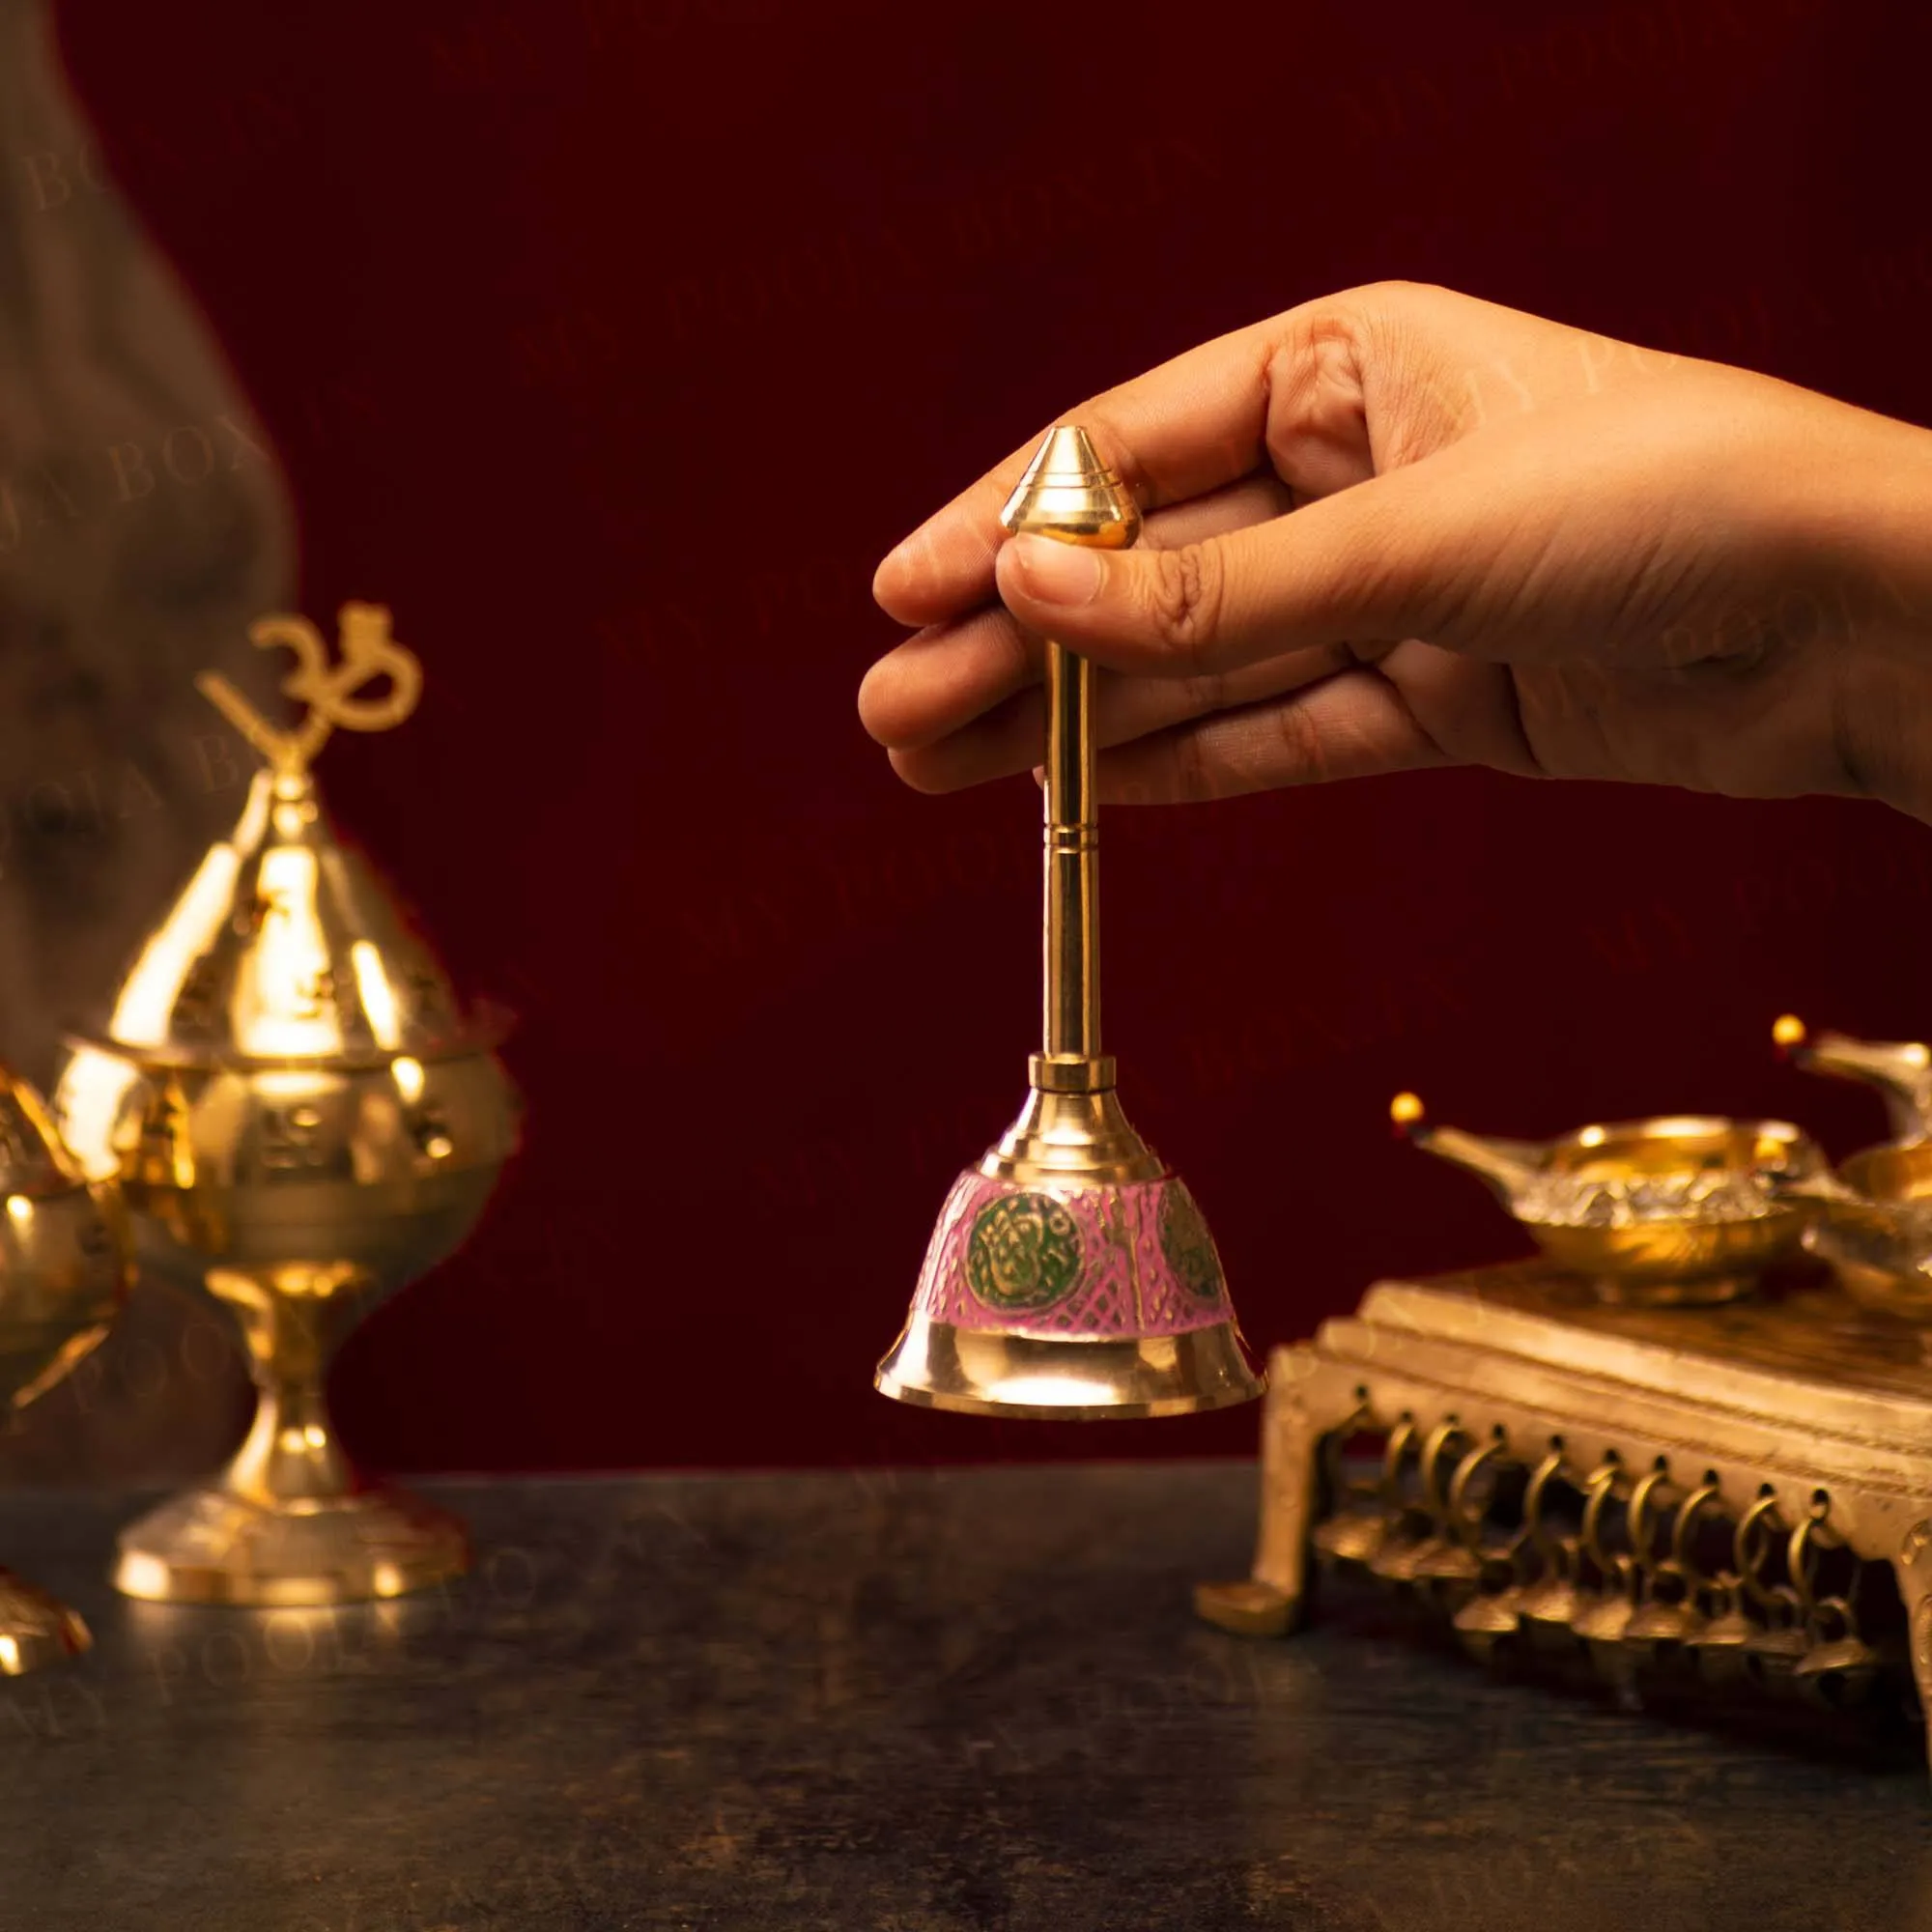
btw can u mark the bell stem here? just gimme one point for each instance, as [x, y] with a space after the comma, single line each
[1072, 976]
[1069, 496]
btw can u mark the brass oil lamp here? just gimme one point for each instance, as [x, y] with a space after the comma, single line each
[64, 1272]
[1874, 1210]
[302, 1122]
[1673, 1210]
[1070, 1273]
[1899, 1069]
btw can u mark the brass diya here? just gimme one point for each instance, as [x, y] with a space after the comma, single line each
[1900, 1069]
[64, 1271]
[1677, 1209]
[1070, 1273]
[1874, 1226]
[302, 1122]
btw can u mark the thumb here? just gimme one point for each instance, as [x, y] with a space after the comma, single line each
[1396, 556]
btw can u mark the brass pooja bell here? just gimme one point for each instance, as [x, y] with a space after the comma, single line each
[1548, 1605]
[1602, 1618]
[1484, 1620]
[302, 1122]
[1837, 1671]
[1070, 1273]
[1449, 1566]
[1357, 1534]
[1665, 1626]
[63, 1270]
[1680, 1209]
[1485, 1623]
[1720, 1648]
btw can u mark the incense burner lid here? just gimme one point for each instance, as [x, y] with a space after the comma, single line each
[284, 950]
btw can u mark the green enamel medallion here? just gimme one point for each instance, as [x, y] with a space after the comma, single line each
[1024, 1252]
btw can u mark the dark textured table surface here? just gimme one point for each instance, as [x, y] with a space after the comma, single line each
[891, 1703]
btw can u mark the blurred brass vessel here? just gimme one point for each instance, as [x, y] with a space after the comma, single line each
[1874, 1212]
[302, 1122]
[64, 1272]
[1699, 1200]
[1899, 1069]
[1874, 1226]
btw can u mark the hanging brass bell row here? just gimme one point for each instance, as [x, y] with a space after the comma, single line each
[1652, 1578]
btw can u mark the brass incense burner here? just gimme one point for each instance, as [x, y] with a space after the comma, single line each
[64, 1271]
[301, 1121]
[1072, 1273]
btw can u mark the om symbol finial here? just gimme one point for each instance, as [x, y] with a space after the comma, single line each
[368, 651]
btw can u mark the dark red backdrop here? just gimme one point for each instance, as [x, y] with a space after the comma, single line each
[611, 343]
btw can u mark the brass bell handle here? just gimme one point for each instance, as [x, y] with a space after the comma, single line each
[1556, 1554]
[1339, 1487]
[1801, 1561]
[1394, 1453]
[1603, 1483]
[1438, 1440]
[1555, 1549]
[1751, 1549]
[1466, 1526]
[1641, 1528]
[1688, 1512]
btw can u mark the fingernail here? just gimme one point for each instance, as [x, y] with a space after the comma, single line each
[1057, 573]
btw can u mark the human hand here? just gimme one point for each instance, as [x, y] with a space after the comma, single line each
[1512, 543]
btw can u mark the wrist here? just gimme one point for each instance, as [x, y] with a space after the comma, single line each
[1864, 525]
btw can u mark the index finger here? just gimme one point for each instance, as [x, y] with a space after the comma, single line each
[1187, 426]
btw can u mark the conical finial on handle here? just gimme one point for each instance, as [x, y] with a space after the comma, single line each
[1068, 493]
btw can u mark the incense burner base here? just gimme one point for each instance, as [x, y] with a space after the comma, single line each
[1761, 1477]
[213, 1545]
[36, 1629]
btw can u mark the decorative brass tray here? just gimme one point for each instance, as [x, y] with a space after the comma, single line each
[1748, 1487]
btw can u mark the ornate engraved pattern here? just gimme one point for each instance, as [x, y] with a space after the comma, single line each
[1125, 1282]
[1188, 1246]
[1024, 1252]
